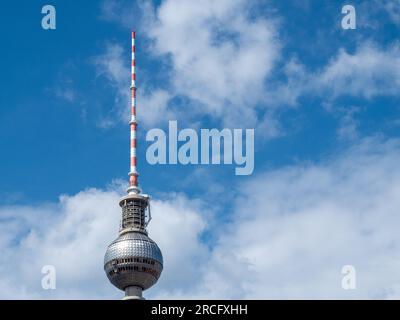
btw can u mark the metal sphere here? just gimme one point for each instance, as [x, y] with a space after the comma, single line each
[133, 259]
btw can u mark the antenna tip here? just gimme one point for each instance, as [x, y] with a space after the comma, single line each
[133, 34]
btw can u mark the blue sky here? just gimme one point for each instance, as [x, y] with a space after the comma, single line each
[316, 95]
[67, 149]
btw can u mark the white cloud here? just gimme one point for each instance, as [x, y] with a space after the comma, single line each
[73, 235]
[67, 94]
[369, 72]
[293, 230]
[64, 87]
[69, 235]
[222, 57]
[153, 107]
[152, 104]
[111, 65]
[290, 232]
[176, 228]
[218, 56]
[348, 125]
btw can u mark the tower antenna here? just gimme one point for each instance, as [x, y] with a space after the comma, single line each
[133, 174]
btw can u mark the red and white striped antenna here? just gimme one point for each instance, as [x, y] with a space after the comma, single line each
[133, 174]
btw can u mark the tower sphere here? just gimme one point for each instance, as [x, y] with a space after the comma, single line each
[133, 259]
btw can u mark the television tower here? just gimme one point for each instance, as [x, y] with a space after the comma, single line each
[133, 262]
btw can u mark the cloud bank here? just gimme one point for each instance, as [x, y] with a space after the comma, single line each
[369, 72]
[290, 233]
[231, 54]
[228, 73]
